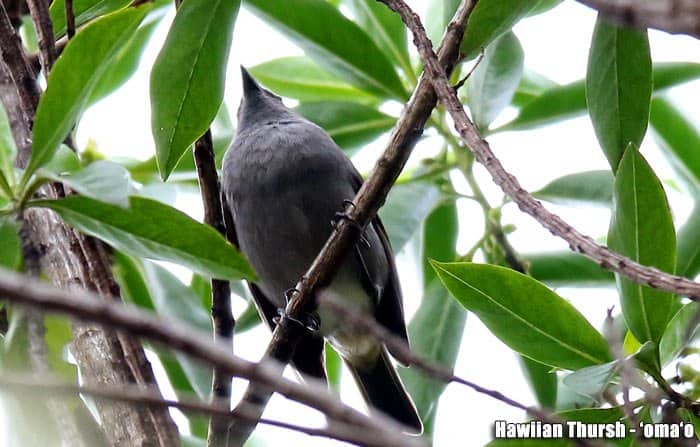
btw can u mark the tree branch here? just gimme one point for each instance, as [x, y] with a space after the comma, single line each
[70, 19]
[71, 260]
[672, 16]
[403, 354]
[578, 242]
[221, 314]
[43, 385]
[371, 196]
[44, 29]
[86, 306]
[18, 69]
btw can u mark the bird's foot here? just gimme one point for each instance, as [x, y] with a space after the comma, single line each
[312, 323]
[345, 215]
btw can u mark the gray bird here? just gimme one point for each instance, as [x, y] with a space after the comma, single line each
[284, 180]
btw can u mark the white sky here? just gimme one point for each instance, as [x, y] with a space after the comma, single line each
[556, 45]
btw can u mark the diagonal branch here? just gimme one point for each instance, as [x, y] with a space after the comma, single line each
[672, 16]
[86, 306]
[578, 242]
[371, 196]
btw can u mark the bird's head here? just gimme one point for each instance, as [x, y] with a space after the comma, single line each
[258, 105]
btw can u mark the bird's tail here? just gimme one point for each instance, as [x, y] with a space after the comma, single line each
[381, 387]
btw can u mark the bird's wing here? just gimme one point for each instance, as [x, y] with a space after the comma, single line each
[308, 357]
[389, 311]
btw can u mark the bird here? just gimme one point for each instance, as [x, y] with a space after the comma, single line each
[284, 180]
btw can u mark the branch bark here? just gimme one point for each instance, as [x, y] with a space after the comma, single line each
[73, 260]
[672, 16]
[44, 29]
[86, 306]
[221, 314]
[578, 242]
[41, 385]
[368, 200]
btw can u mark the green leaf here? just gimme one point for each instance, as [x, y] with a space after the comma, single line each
[21, 413]
[349, 124]
[64, 161]
[679, 138]
[543, 6]
[156, 231]
[542, 380]
[151, 287]
[490, 19]
[172, 298]
[642, 229]
[568, 399]
[125, 63]
[544, 327]
[566, 269]
[560, 102]
[581, 188]
[248, 319]
[680, 330]
[532, 85]
[301, 78]
[73, 77]
[647, 358]
[439, 14]
[494, 81]
[405, 209]
[347, 51]
[688, 261]
[182, 386]
[8, 151]
[437, 326]
[669, 74]
[83, 10]
[58, 336]
[592, 380]
[187, 80]
[102, 180]
[10, 245]
[386, 29]
[618, 87]
[334, 367]
[555, 104]
[128, 273]
[146, 171]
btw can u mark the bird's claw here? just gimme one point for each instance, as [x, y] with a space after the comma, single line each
[312, 323]
[345, 215]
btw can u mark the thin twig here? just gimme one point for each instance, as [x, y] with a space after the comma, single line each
[626, 371]
[221, 314]
[464, 79]
[403, 353]
[372, 194]
[41, 385]
[44, 29]
[70, 19]
[83, 305]
[18, 67]
[672, 16]
[578, 242]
